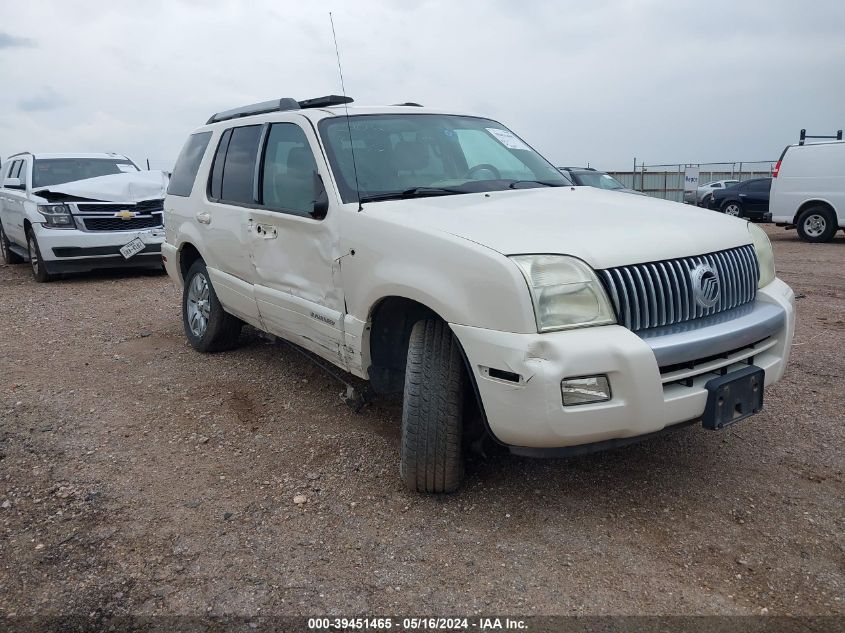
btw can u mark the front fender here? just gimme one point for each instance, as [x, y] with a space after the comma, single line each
[462, 281]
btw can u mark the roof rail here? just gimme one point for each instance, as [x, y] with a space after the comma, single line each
[325, 102]
[278, 105]
[803, 136]
[18, 154]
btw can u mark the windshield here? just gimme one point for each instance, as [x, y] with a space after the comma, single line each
[57, 171]
[403, 155]
[599, 180]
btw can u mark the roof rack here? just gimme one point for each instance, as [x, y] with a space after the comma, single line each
[803, 136]
[278, 105]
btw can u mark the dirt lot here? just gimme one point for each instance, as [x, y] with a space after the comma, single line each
[138, 476]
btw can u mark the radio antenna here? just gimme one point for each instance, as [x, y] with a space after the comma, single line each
[346, 107]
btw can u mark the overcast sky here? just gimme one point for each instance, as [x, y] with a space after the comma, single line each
[597, 82]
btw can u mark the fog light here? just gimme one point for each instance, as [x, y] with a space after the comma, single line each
[584, 390]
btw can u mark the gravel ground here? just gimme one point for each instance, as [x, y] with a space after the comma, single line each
[140, 477]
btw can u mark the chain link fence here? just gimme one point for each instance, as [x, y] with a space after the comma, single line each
[667, 181]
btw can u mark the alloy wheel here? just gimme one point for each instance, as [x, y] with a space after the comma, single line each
[199, 305]
[732, 209]
[33, 253]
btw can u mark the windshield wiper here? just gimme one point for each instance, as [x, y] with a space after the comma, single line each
[546, 183]
[413, 192]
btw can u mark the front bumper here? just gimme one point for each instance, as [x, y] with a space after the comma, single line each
[71, 250]
[648, 395]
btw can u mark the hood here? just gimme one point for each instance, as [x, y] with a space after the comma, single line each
[125, 187]
[603, 228]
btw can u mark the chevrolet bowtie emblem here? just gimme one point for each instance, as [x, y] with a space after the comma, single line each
[125, 215]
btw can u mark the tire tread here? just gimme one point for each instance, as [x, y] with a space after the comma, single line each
[432, 410]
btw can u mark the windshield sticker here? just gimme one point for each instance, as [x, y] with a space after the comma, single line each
[126, 168]
[507, 138]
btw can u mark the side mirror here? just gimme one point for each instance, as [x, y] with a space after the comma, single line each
[321, 198]
[13, 183]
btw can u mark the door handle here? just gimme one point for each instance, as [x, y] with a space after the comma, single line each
[203, 217]
[742, 195]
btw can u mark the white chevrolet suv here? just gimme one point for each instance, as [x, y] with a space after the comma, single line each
[439, 256]
[78, 212]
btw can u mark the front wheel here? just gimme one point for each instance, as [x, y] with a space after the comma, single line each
[817, 224]
[39, 271]
[208, 326]
[432, 410]
[732, 208]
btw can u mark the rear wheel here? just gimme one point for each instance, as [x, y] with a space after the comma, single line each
[208, 326]
[432, 410]
[817, 224]
[38, 269]
[732, 208]
[8, 256]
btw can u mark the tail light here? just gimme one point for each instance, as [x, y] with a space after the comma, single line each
[776, 170]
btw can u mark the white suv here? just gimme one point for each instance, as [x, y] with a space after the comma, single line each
[78, 212]
[439, 256]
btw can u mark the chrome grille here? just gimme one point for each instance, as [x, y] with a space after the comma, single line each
[661, 293]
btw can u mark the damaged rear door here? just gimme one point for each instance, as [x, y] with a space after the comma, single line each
[294, 245]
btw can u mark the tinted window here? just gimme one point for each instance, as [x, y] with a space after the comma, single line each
[57, 171]
[216, 179]
[16, 169]
[239, 168]
[289, 166]
[187, 165]
[760, 185]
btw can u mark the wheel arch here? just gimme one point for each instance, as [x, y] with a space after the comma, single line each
[385, 346]
[815, 202]
[389, 323]
[186, 256]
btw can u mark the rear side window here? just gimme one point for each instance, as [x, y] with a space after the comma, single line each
[239, 166]
[187, 165]
[760, 185]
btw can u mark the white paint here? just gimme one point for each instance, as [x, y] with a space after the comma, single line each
[808, 173]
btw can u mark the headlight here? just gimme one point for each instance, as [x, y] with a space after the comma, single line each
[56, 216]
[765, 256]
[565, 291]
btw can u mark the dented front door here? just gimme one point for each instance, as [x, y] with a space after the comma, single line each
[296, 279]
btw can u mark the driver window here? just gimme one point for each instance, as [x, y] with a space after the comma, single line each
[288, 182]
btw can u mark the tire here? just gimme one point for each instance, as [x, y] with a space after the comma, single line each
[432, 410]
[732, 208]
[817, 224]
[208, 326]
[36, 263]
[8, 256]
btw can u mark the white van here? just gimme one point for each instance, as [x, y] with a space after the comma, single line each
[808, 190]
